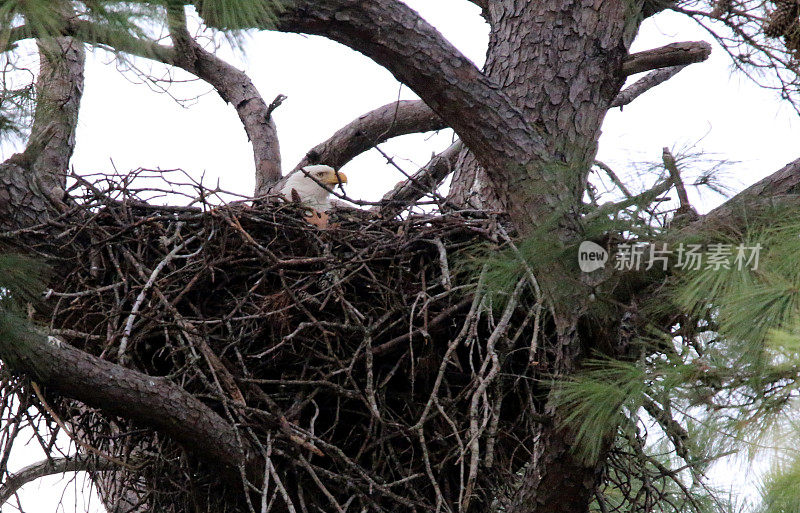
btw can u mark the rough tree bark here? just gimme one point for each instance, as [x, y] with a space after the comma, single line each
[370, 130]
[560, 63]
[33, 181]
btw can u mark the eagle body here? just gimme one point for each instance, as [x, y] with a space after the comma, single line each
[306, 182]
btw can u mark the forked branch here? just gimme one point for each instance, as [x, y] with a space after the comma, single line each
[442, 76]
[233, 85]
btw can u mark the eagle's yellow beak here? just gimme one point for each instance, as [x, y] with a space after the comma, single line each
[333, 178]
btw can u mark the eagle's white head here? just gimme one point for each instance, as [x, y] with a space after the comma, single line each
[307, 185]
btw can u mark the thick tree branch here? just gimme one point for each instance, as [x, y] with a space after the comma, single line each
[152, 401]
[371, 129]
[59, 89]
[236, 88]
[32, 182]
[49, 467]
[495, 130]
[675, 54]
[233, 85]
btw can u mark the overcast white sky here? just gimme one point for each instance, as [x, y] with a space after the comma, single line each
[328, 85]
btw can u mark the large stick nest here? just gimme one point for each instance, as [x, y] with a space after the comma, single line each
[361, 359]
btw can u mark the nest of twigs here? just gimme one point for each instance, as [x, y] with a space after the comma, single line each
[362, 359]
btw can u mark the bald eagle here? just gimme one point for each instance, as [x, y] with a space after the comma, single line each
[306, 183]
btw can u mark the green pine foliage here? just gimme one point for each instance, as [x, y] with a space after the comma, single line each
[748, 303]
[598, 400]
[238, 14]
[46, 18]
[42, 18]
[21, 283]
[16, 111]
[729, 376]
[780, 488]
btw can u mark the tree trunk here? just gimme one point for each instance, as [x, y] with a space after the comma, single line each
[32, 183]
[560, 62]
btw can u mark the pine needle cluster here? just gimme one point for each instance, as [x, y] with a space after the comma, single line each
[723, 380]
[21, 283]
